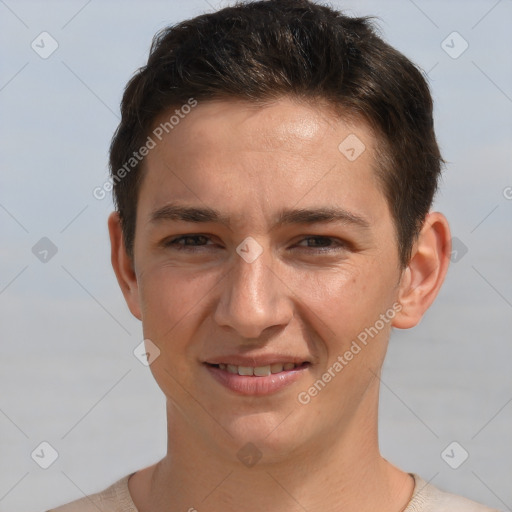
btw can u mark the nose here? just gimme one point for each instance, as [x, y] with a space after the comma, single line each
[253, 299]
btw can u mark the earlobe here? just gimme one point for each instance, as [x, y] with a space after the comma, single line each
[426, 271]
[123, 266]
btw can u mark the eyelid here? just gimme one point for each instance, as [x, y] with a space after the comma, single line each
[172, 241]
[338, 243]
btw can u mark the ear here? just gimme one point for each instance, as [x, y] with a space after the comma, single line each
[123, 265]
[425, 273]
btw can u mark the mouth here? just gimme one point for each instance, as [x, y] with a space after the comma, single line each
[265, 379]
[259, 371]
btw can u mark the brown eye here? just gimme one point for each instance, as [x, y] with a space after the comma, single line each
[323, 243]
[187, 242]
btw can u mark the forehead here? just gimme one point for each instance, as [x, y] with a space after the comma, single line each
[256, 157]
[287, 124]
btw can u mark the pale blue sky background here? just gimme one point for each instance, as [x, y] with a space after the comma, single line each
[67, 372]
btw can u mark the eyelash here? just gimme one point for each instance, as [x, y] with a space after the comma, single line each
[173, 243]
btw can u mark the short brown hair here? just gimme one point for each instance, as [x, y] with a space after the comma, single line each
[263, 50]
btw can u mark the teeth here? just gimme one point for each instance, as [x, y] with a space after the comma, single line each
[262, 371]
[276, 368]
[258, 371]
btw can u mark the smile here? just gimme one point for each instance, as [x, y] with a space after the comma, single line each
[258, 371]
[257, 380]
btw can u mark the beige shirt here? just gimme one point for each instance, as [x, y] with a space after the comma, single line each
[425, 498]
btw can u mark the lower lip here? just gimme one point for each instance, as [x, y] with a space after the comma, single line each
[259, 386]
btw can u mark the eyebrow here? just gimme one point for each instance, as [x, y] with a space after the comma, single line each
[175, 212]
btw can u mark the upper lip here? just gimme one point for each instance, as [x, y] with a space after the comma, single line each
[256, 361]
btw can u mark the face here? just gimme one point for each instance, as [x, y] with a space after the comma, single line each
[261, 247]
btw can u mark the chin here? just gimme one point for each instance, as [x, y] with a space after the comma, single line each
[269, 435]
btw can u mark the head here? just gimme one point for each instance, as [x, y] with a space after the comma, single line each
[294, 125]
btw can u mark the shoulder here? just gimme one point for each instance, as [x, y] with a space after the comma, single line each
[427, 498]
[115, 498]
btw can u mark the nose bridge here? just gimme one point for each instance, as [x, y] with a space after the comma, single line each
[253, 297]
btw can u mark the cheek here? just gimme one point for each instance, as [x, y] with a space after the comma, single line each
[168, 296]
[347, 295]
[347, 304]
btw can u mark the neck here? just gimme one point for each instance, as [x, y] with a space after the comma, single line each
[341, 471]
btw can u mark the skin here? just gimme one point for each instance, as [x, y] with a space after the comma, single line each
[205, 300]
